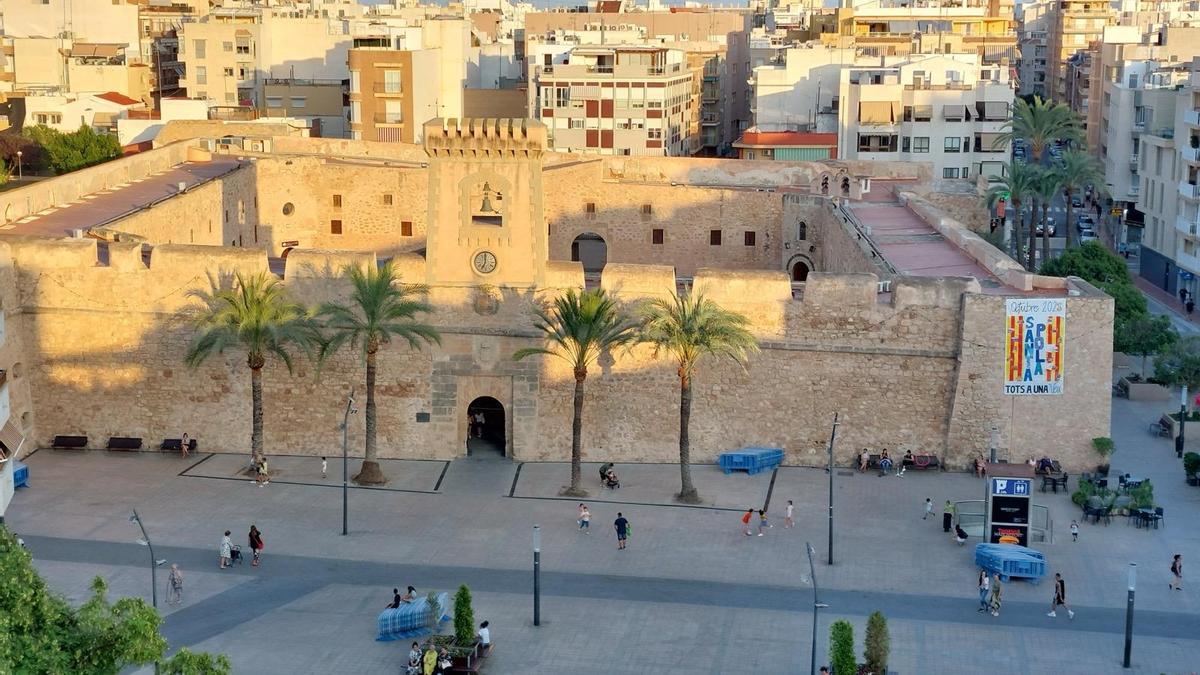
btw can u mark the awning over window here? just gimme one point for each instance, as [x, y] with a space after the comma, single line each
[10, 440]
[878, 112]
[995, 110]
[923, 112]
[991, 142]
[100, 50]
[954, 112]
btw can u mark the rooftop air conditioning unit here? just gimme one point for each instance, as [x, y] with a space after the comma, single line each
[181, 186]
[77, 233]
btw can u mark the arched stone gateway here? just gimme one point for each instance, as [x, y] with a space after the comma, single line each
[488, 432]
[800, 270]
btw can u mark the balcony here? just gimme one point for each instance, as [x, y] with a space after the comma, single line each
[1186, 225]
[1191, 118]
[1133, 163]
[1189, 190]
[389, 118]
[1137, 128]
[1191, 155]
[389, 88]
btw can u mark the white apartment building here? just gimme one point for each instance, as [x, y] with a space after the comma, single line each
[1033, 26]
[1169, 195]
[616, 100]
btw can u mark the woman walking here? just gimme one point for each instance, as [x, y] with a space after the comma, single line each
[1177, 571]
[175, 586]
[995, 596]
[984, 587]
[226, 551]
[256, 544]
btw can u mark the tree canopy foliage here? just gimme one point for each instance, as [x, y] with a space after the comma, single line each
[77, 150]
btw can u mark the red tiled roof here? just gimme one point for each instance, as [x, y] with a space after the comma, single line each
[784, 138]
[608, 6]
[119, 99]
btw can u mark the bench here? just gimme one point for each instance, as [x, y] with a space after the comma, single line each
[123, 443]
[918, 462]
[176, 445]
[466, 664]
[73, 442]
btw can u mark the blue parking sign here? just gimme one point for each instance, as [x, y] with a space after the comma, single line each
[1016, 487]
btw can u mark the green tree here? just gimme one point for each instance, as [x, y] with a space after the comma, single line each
[186, 662]
[841, 648]
[1104, 269]
[257, 316]
[41, 633]
[1040, 124]
[77, 150]
[1016, 185]
[1047, 186]
[878, 643]
[1143, 336]
[687, 328]
[1077, 169]
[380, 309]
[578, 328]
[1179, 364]
[464, 617]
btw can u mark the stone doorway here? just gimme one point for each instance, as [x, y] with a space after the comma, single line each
[799, 271]
[487, 437]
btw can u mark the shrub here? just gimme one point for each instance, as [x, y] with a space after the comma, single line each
[1191, 464]
[841, 648]
[1103, 446]
[435, 610]
[464, 617]
[878, 643]
[1142, 496]
[76, 150]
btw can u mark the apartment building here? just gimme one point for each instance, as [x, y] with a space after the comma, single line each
[1074, 24]
[393, 92]
[1033, 29]
[159, 24]
[716, 41]
[221, 56]
[616, 100]
[949, 110]
[986, 28]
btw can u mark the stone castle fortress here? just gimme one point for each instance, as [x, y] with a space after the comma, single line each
[868, 298]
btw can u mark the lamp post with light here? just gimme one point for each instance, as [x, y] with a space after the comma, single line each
[154, 563]
[1129, 613]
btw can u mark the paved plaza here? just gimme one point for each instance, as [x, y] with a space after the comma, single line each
[690, 595]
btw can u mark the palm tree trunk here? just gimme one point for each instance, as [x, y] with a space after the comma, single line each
[1015, 234]
[370, 474]
[1045, 231]
[574, 490]
[1067, 224]
[687, 491]
[1032, 253]
[256, 414]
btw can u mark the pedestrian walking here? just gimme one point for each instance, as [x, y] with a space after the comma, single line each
[788, 519]
[621, 525]
[994, 595]
[1060, 597]
[1074, 531]
[928, 508]
[256, 544]
[746, 521]
[175, 586]
[762, 522]
[585, 519]
[947, 516]
[1177, 573]
[1191, 306]
[1182, 295]
[324, 467]
[183, 446]
[226, 551]
[984, 587]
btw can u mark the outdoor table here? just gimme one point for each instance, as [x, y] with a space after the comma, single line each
[1133, 481]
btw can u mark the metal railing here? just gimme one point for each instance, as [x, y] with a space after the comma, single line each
[389, 118]
[388, 88]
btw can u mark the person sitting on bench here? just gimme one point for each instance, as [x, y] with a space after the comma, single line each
[980, 467]
[906, 462]
[885, 462]
[864, 460]
[1045, 465]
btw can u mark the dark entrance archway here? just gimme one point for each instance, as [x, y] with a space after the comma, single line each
[799, 271]
[590, 249]
[488, 430]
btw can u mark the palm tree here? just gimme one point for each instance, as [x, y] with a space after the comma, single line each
[578, 329]
[379, 310]
[1017, 184]
[1077, 169]
[1040, 124]
[1046, 187]
[688, 327]
[255, 315]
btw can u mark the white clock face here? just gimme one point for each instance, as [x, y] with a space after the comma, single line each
[485, 262]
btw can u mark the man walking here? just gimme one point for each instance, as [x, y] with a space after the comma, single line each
[928, 508]
[1177, 573]
[984, 590]
[947, 516]
[621, 525]
[324, 467]
[1060, 597]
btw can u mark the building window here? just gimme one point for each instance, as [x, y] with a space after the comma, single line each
[748, 238]
[198, 49]
[274, 101]
[227, 46]
[387, 199]
[950, 172]
[299, 101]
[906, 144]
[802, 230]
[391, 82]
[48, 118]
[406, 228]
[966, 172]
[335, 227]
[654, 133]
[714, 237]
[243, 45]
[920, 144]
[289, 209]
[656, 236]
[337, 201]
[228, 72]
[647, 211]
[201, 75]
[950, 144]
[589, 207]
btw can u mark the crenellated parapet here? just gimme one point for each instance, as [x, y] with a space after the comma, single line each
[475, 137]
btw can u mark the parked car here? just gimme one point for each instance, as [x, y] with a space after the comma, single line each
[1050, 225]
[1076, 202]
[1088, 235]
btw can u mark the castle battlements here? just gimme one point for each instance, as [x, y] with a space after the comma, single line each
[451, 137]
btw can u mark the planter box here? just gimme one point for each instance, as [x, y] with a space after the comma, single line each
[1144, 391]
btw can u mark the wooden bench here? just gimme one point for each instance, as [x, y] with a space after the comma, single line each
[919, 462]
[123, 443]
[176, 445]
[71, 442]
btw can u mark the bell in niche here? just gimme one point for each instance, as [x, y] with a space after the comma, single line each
[486, 206]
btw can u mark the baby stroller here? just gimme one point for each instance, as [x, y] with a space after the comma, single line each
[235, 555]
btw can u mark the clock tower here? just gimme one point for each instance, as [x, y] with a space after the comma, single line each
[486, 224]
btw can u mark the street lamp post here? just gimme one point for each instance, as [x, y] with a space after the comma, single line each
[537, 575]
[1129, 613]
[20, 167]
[154, 563]
[1183, 393]
[832, 436]
[817, 605]
[350, 409]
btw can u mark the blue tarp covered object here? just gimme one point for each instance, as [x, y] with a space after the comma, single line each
[410, 619]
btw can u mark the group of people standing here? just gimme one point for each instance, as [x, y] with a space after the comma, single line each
[991, 592]
[621, 525]
[764, 523]
[230, 553]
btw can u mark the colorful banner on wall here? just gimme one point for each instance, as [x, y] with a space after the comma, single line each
[1033, 357]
